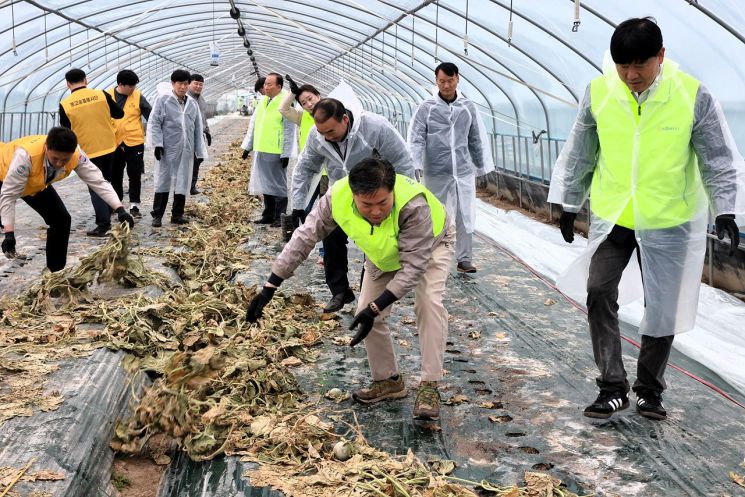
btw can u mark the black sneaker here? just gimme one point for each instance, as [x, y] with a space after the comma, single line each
[180, 220]
[134, 211]
[99, 231]
[606, 404]
[157, 222]
[649, 405]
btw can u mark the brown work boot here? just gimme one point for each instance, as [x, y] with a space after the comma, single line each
[381, 390]
[427, 403]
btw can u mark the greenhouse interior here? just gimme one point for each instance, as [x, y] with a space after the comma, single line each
[426, 248]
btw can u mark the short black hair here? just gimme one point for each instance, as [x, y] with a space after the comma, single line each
[127, 78]
[75, 76]
[280, 80]
[329, 107]
[259, 84]
[370, 175]
[61, 139]
[197, 77]
[305, 88]
[448, 68]
[180, 75]
[635, 40]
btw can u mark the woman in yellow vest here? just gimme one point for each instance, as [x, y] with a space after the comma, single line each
[28, 167]
[408, 240]
[652, 147]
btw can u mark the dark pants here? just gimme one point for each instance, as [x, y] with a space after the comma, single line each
[161, 202]
[51, 208]
[195, 172]
[101, 208]
[606, 267]
[335, 264]
[274, 207]
[131, 159]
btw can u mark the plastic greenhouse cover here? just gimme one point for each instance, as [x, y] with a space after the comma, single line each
[73, 440]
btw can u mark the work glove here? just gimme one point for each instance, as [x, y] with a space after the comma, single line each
[256, 306]
[299, 214]
[294, 88]
[245, 154]
[209, 138]
[566, 223]
[725, 224]
[285, 161]
[9, 245]
[124, 217]
[158, 152]
[365, 318]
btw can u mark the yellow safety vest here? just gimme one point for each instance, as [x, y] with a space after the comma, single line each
[129, 128]
[647, 174]
[380, 243]
[306, 123]
[268, 126]
[34, 145]
[90, 117]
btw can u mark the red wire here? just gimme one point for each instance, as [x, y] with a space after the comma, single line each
[629, 340]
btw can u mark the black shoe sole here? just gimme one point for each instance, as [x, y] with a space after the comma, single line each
[652, 415]
[468, 271]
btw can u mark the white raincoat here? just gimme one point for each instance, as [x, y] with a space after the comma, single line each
[268, 177]
[448, 142]
[178, 129]
[369, 132]
[672, 258]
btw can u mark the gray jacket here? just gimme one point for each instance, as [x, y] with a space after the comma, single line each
[415, 243]
[199, 99]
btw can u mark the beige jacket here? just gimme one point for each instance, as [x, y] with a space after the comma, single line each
[288, 111]
[415, 243]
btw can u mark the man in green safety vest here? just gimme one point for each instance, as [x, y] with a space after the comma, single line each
[652, 148]
[270, 136]
[407, 238]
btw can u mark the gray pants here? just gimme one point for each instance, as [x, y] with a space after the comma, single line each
[606, 267]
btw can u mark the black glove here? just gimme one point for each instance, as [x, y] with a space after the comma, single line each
[285, 161]
[9, 245]
[366, 317]
[566, 223]
[725, 224]
[245, 154]
[257, 304]
[294, 88]
[158, 152]
[299, 214]
[209, 138]
[124, 216]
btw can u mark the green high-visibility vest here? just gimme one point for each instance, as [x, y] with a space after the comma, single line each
[380, 243]
[268, 126]
[647, 174]
[306, 123]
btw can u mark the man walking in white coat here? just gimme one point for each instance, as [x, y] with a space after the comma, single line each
[450, 148]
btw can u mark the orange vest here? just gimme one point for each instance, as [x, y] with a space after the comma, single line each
[129, 128]
[90, 118]
[37, 177]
